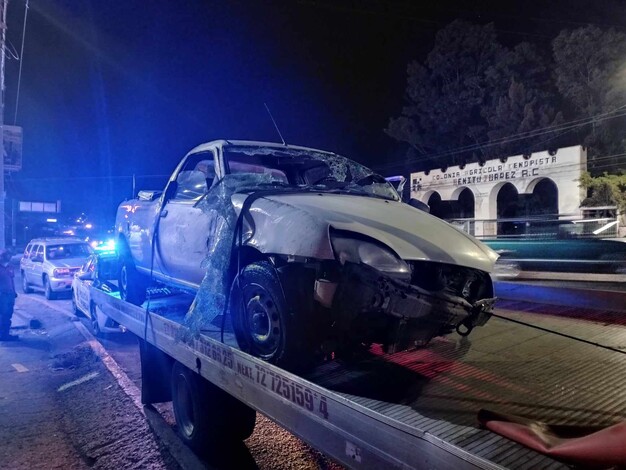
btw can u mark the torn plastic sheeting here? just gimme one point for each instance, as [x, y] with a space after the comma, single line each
[590, 446]
[210, 300]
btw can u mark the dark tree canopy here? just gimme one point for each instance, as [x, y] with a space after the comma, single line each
[474, 98]
[590, 71]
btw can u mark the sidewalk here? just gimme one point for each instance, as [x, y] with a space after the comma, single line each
[59, 406]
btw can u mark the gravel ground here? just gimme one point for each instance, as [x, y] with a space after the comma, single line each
[104, 426]
[110, 433]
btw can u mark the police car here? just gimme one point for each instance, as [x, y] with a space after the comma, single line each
[100, 271]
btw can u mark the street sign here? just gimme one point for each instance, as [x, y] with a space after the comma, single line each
[12, 148]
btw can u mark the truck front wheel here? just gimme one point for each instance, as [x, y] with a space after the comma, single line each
[263, 325]
[205, 414]
[49, 293]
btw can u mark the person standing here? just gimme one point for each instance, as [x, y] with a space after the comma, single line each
[7, 296]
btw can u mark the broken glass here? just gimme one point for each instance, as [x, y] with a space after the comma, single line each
[210, 300]
[254, 169]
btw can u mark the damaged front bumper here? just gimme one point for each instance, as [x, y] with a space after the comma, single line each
[380, 309]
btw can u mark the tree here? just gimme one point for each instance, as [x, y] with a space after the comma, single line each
[606, 190]
[528, 105]
[590, 71]
[471, 95]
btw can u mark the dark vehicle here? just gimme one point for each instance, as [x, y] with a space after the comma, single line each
[581, 255]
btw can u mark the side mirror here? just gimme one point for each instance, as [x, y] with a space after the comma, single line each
[86, 276]
[145, 195]
[400, 187]
[419, 205]
[38, 259]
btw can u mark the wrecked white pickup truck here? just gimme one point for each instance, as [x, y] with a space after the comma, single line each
[307, 254]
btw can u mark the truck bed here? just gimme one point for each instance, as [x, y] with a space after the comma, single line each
[418, 408]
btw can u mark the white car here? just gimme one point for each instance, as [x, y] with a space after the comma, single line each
[100, 271]
[50, 264]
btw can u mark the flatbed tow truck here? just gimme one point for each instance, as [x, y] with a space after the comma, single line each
[416, 409]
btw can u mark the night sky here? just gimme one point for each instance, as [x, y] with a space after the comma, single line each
[115, 88]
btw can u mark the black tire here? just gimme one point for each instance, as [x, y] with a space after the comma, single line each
[93, 319]
[25, 286]
[263, 325]
[49, 293]
[132, 284]
[206, 415]
[75, 309]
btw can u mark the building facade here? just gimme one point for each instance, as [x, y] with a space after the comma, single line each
[539, 184]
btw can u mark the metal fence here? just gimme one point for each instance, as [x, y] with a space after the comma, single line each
[564, 226]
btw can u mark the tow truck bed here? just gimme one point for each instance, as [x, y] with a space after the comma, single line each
[417, 409]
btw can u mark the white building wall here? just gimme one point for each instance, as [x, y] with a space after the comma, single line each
[564, 168]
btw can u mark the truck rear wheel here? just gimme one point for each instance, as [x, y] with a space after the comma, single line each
[263, 325]
[95, 326]
[205, 414]
[25, 285]
[132, 284]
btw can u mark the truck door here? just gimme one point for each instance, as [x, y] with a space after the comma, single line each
[82, 293]
[36, 266]
[26, 263]
[185, 224]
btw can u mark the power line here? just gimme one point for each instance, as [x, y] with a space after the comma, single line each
[407, 16]
[571, 125]
[584, 166]
[19, 76]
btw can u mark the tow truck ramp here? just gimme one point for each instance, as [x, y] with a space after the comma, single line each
[410, 410]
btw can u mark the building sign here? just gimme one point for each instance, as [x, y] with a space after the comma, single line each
[490, 172]
[563, 167]
[12, 148]
[29, 206]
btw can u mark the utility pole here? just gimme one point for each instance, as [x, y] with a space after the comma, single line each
[3, 25]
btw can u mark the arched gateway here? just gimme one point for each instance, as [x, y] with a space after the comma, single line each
[544, 183]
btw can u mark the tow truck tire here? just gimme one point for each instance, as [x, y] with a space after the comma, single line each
[49, 293]
[206, 416]
[132, 284]
[75, 309]
[25, 285]
[93, 318]
[263, 325]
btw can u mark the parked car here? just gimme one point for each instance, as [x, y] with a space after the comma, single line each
[50, 264]
[307, 251]
[100, 271]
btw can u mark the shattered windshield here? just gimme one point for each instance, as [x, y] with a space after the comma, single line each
[302, 168]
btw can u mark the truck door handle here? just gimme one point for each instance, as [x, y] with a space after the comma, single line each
[163, 213]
